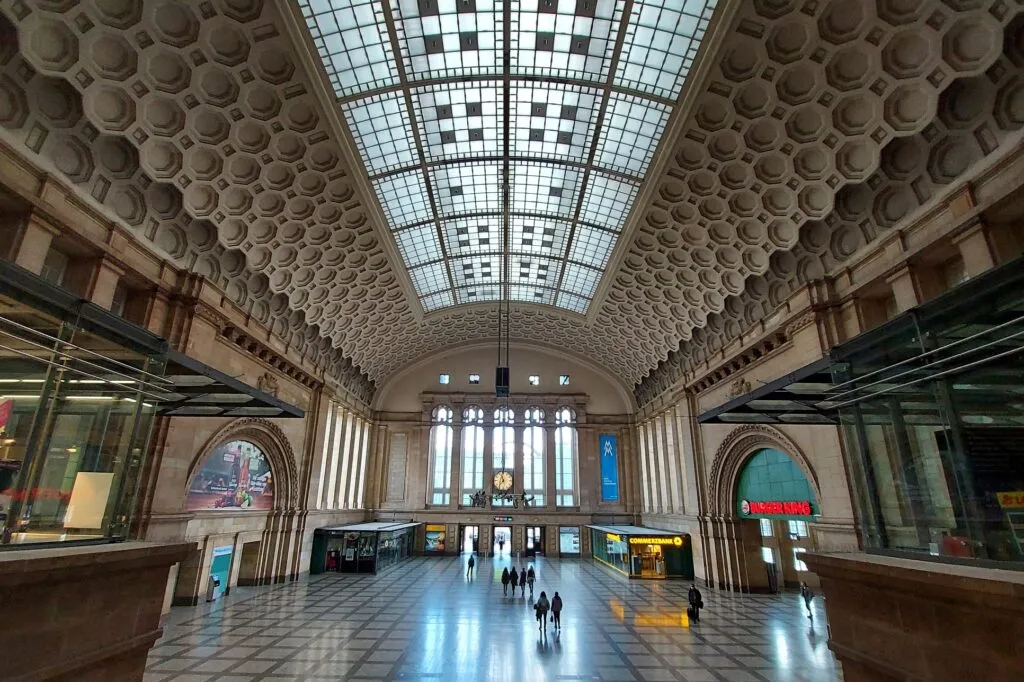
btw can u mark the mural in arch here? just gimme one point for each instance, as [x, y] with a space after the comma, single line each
[772, 485]
[236, 475]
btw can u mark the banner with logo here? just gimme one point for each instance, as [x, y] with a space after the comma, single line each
[609, 468]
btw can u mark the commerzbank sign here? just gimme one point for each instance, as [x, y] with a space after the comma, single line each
[677, 541]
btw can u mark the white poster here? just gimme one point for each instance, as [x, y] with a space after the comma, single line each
[88, 500]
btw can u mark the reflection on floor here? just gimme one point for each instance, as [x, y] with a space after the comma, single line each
[425, 620]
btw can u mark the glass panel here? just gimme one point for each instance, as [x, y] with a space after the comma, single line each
[552, 120]
[444, 40]
[563, 43]
[460, 119]
[766, 528]
[380, 127]
[631, 130]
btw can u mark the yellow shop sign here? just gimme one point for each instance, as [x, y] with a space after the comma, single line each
[677, 541]
[1011, 500]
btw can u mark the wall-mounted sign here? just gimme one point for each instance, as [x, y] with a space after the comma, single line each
[503, 519]
[613, 536]
[236, 475]
[677, 541]
[777, 508]
[434, 541]
[1011, 500]
[609, 468]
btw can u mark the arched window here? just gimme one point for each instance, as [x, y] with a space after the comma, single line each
[533, 455]
[565, 457]
[504, 446]
[441, 452]
[472, 452]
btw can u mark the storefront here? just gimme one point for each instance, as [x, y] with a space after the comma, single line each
[773, 490]
[638, 552]
[569, 540]
[362, 547]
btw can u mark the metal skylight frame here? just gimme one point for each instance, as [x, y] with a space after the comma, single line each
[504, 132]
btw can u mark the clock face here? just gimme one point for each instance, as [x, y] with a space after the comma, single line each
[503, 480]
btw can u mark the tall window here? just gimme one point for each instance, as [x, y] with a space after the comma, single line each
[565, 457]
[441, 452]
[504, 445]
[472, 452]
[533, 455]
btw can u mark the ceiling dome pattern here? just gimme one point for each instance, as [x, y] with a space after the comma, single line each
[195, 125]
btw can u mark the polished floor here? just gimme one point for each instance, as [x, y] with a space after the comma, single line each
[425, 620]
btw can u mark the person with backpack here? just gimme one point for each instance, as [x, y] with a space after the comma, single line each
[541, 609]
[696, 603]
[522, 580]
[504, 580]
[556, 610]
[470, 565]
[531, 577]
[806, 593]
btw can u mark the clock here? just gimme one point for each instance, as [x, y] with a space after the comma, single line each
[503, 480]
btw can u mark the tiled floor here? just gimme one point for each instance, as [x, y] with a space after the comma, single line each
[425, 621]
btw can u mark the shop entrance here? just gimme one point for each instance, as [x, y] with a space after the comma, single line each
[470, 540]
[502, 541]
[534, 540]
[651, 559]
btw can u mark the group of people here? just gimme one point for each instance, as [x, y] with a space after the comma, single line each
[522, 579]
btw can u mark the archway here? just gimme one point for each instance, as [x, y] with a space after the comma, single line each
[764, 495]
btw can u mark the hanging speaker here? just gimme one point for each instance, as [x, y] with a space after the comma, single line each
[501, 382]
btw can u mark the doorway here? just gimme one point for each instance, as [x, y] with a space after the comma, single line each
[502, 541]
[470, 540]
[534, 540]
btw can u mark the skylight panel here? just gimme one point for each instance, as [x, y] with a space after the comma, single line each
[476, 294]
[548, 189]
[476, 270]
[403, 198]
[538, 236]
[534, 270]
[429, 279]
[580, 280]
[418, 244]
[446, 39]
[564, 39]
[467, 188]
[631, 130]
[468, 236]
[552, 120]
[591, 246]
[351, 38]
[380, 127]
[576, 304]
[458, 120]
[529, 294]
[606, 201]
[661, 43]
[442, 299]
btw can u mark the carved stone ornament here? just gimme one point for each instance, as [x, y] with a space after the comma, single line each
[268, 384]
[739, 387]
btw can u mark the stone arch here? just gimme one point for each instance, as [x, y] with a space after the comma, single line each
[733, 453]
[269, 437]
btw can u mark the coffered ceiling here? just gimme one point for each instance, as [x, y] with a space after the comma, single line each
[358, 175]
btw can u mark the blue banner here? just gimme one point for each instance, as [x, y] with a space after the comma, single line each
[609, 468]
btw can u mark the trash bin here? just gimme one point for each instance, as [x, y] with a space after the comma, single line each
[212, 588]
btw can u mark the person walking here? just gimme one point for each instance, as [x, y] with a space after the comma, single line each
[505, 580]
[522, 581]
[556, 610]
[806, 593]
[531, 577]
[513, 579]
[696, 603]
[541, 609]
[470, 565]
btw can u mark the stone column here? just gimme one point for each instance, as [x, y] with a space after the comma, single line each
[104, 282]
[36, 236]
[904, 289]
[975, 250]
[456, 482]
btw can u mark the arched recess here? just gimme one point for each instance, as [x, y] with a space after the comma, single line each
[275, 446]
[734, 452]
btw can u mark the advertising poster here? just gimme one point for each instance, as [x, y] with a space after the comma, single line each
[609, 468]
[435, 539]
[235, 475]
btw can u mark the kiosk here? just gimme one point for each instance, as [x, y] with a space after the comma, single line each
[638, 552]
[362, 547]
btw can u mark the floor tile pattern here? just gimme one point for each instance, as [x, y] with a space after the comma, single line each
[425, 620]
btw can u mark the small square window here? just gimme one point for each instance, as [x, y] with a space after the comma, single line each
[766, 528]
[563, 379]
[474, 378]
[444, 379]
[798, 529]
[797, 564]
[534, 380]
[767, 555]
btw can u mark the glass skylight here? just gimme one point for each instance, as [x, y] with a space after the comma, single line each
[430, 98]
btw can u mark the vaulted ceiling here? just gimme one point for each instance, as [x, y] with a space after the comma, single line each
[341, 167]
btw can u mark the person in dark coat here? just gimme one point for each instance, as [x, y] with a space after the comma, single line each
[541, 609]
[696, 603]
[556, 611]
[530, 578]
[505, 580]
[805, 592]
[470, 565]
[513, 579]
[522, 581]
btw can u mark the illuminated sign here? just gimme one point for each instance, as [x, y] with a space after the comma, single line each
[778, 508]
[613, 536]
[503, 519]
[677, 541]
[1011, 500]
